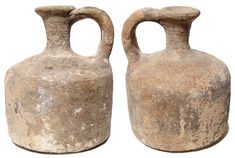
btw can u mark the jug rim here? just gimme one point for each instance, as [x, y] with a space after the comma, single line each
[180, 12]
[57, 9]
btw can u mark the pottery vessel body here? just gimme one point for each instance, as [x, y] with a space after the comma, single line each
[59, 101]
[178, 98]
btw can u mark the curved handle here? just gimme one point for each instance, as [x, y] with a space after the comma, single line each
[129, 31]
[105, 24]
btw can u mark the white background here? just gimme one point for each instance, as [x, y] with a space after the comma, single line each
[22, 35]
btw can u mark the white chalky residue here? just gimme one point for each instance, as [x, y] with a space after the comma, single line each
[83, 127]
[44, 100]
[104, 106]
[96, 140]
[89, 144]
[78, 110]
[64, 82]
[68, 146]
[78, 72]
[46, 124]
[92, 143]
[92, 60]
[72, 137]
[38, 107]
[47, 142]
[106, 61]
[78, 145]
[176, 57]
[143, 140]
[48, 78]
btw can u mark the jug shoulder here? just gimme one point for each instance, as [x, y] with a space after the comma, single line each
[59, 69]
[178, 70]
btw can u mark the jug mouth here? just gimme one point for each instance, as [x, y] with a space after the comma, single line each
[180, 13]
[54, 10]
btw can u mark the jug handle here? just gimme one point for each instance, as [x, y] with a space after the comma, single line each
[129, 40]
[105, 24]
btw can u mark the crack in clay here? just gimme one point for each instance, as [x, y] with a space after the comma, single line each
[182, 122]
[17, 107]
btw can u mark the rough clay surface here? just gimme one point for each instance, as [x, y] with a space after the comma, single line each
[178, 98]
[58, 101]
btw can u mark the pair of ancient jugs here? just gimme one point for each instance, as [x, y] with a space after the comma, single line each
[59, 101]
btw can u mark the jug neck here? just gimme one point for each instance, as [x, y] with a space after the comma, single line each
[57, 23]
[177, 21]
[177, 35]
[58, 32]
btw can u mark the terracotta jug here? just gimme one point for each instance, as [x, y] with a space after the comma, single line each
[178, 98]
[59, 101]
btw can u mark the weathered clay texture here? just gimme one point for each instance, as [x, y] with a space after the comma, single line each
[178, 98]
[59, 101]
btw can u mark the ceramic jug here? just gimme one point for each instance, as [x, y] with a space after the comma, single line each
[178, 98]
[59, 101]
